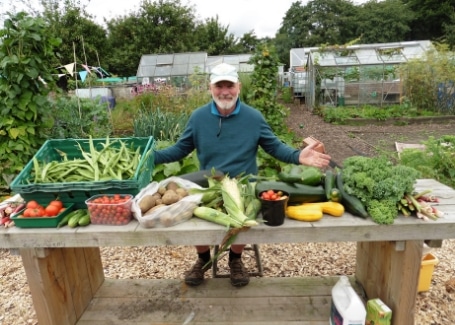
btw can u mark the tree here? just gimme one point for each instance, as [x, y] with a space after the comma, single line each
[213, 38]
[430, 17]
[163, 26]
[27, 51]
[80, 35]
[384, 21]
[320, 22]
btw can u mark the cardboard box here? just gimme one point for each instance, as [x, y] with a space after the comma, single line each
[310, 140]
[378, 313]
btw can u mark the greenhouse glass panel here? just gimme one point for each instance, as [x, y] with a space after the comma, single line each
[198, 58]
[162, 71]
[145, 71]
[367, 56]
[192, 68]
[233, 60]
[179, 70]
[181, 58]
[148, 60]
[165, 59]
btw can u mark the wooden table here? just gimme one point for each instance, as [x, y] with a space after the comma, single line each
[64, 267]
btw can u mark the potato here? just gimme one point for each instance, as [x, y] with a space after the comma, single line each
[147, 202]
[170, 197]
[181, 192]
[172, 186]
[156, 207]
[166, 219]
[161, 190]
[157, 195]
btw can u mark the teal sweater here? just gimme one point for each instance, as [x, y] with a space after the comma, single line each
[228, 144]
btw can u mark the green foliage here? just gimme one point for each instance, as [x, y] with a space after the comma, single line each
[384, 21]
[383, 212]
[187, 165]
[26, 53]
[377, 179]
[79, 118]
[436, 161]
[264, 88]
[162, 125]
[429, 83]
[339, 115]
[83, 39]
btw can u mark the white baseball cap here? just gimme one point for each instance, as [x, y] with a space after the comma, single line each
[224, 72]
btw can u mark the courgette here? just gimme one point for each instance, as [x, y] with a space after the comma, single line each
[307, 175]
[329, 183]
[298, 193]
[84, 220]
[66, 218]
[351, 203]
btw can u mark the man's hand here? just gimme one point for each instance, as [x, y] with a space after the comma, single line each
[310, 157]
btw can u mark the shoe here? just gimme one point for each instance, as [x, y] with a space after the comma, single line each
[239, 274]
[195, 276]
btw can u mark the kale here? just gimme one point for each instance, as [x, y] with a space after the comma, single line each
[383, 212]
[376, 179]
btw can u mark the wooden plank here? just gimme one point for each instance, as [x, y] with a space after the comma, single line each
[94, 268]
[78, 278]
[48, 282]
[391, 275]
[263, 301]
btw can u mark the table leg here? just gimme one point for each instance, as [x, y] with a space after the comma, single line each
[391, 272]
[62, 281]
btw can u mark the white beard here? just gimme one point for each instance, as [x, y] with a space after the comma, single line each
[224, 103]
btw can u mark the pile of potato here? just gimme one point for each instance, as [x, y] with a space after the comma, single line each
[166, 196]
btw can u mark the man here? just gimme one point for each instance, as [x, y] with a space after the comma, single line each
[226, 134]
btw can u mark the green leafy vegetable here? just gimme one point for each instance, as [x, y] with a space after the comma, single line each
[379, 184]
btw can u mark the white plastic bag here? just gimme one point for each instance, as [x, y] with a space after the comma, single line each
[170, 215]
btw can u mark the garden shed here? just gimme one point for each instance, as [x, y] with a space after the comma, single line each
[359, 74]
[176, 68]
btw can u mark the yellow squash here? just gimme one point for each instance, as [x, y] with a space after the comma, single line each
[334, 209]
[304, 213]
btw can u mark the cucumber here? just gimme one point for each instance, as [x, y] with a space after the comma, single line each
[74, 219]
[84, 220]
[351, 203]
[329, 183]
[66, 218]
[298, 193]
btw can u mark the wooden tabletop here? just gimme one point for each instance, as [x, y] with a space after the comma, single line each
[197, 231]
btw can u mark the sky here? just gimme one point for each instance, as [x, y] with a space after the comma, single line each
[264, 17]
[242, 16]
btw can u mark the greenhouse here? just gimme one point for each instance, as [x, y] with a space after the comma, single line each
[358, 74]
[175, 69]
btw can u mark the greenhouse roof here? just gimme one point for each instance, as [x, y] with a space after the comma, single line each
[168, 65]
[185, 64]
[371, 54]
[366, 54]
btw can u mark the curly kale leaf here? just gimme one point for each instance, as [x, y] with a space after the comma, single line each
[383, 212]
[377, 178]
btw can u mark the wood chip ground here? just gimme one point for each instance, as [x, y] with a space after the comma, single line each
[434, 307]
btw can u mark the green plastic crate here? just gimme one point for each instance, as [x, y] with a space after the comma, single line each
[78, 192]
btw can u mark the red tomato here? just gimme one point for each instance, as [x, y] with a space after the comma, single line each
[57, 203]
[36, 212]
[32, 204]
[51, 210]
